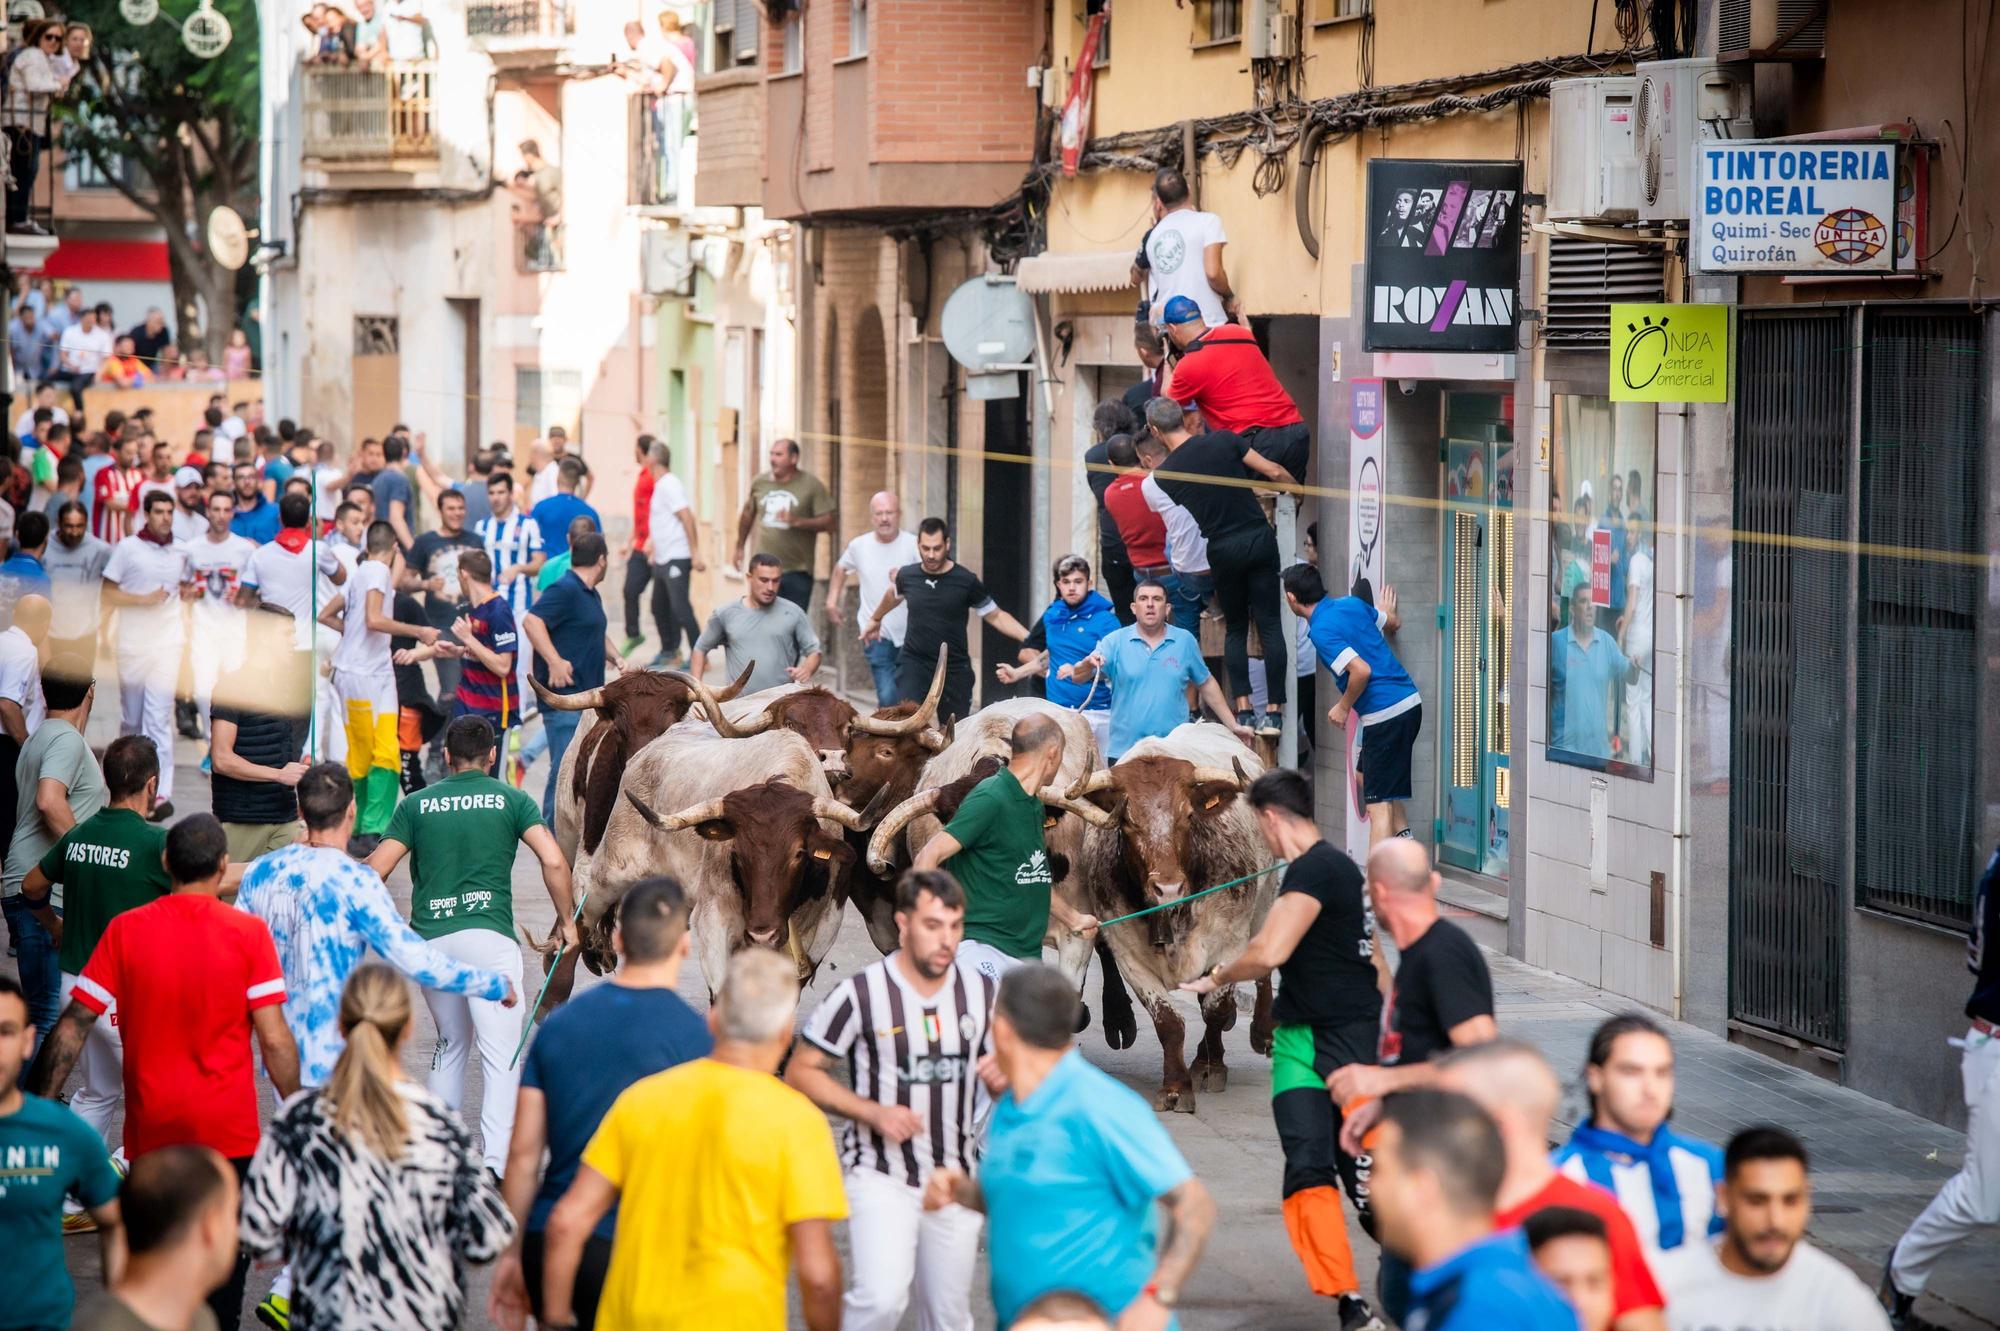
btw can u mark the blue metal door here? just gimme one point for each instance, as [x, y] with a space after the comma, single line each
[1476, 648]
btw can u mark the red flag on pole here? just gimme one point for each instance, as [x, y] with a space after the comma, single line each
[1076, 107]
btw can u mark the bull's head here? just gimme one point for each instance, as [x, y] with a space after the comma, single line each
[632, 711]
[1159, 805]
[885, 751]
[780, 857]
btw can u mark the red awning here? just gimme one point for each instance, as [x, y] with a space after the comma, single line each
[109, 261]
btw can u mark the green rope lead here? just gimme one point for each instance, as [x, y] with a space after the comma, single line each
[1182, 901]
[528, 1023]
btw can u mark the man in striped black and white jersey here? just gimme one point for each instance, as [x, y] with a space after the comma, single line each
[514, 543]
[914, 1029]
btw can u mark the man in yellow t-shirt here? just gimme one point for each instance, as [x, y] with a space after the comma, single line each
[723, 1177]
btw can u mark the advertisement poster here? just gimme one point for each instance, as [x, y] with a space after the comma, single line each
[1444, 255]
[1806, 207]
[1366, 518]
[1669, 353]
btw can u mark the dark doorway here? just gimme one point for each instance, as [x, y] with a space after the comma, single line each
[1008, 509]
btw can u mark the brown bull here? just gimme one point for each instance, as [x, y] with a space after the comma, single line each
[1166, 821]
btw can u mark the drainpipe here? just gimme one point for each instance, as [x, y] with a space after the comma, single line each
[1683, 603]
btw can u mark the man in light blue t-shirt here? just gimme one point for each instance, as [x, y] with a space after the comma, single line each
[1077, 1170]
[1347, 634]
[1149, 664]
[1583, 666]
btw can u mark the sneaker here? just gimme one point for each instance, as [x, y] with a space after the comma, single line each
[1270, 724]
[1356, 1315]
[517, 771]
[187, 720]
[161, 812]
[78, 1222]
[1901, 1307]
[631, 645]
[275, 1312]
[1247, 719]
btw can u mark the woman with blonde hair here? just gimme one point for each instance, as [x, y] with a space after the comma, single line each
[370, 1186]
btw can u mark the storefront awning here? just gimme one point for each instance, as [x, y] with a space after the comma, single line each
[1070, 272]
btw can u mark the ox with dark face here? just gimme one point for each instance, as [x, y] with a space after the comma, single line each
[1162, 808]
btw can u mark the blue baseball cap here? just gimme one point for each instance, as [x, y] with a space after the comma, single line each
[1181, 310]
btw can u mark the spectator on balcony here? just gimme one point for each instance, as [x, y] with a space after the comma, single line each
[151, 337]
[1184, 253]
[199, 371]
[83, 351]
[1223, 374]
[677, 36]
[333, 35]
[60, 317]
[537, 190]
[123, 368]
[407, 32]
[371, 39]
[171, 367]
[236, 356]
[28, 343]
[32, 83]
[75, 52]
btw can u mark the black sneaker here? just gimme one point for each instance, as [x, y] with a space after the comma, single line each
[1247, 719]
[1270, 724]
[1356, 1315]
[161, 812]
[188, 720]
[1901, 1307]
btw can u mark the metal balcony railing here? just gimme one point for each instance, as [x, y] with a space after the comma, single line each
[356, 115]
[31, 201]
[659, 124]
[489, 19]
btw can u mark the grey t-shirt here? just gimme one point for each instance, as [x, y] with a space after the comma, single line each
[55, 752]
[776, 637]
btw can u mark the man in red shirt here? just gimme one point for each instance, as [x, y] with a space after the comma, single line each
[1512, 1082]
[193, 980]
[112, 502]
[638, 564]
[1223, 374]
[1143, 531]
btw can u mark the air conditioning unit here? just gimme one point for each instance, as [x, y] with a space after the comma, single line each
[1593, 164]
[1771, 29]
[1682, 104]
[666, 261]
[1270, 32]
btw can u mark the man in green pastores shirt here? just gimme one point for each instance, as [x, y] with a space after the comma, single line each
[993, 846]
[460, 835]
[107, 864]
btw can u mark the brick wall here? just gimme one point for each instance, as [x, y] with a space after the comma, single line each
[948, 80]
[729, 170]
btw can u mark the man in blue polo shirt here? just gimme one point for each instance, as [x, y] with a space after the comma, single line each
[568, 630]
[1069, 630]
[1347, 632]
[1149, 664]
[1584, 665]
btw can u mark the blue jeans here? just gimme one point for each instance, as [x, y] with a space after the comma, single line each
[41, 974]
[1187, 593]
[881, 655]
[560, 727]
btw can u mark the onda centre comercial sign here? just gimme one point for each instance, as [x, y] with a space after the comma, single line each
[1444, 255]
[1805, 207]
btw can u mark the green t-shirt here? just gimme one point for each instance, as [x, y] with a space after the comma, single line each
[46, 1153]
[552, 570]
[462, 833]
[777, 504]
[107, 864]
[1003, 866]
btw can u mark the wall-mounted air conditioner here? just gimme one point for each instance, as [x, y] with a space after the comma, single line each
[1270, 30]
[666, 261]
[1682, 104]
[1771, 29]
[1593, 163]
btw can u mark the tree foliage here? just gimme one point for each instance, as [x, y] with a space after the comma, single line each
[188, 126]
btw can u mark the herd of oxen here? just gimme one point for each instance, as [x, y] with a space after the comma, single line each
[778, 808]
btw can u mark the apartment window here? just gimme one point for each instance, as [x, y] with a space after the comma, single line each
[732, 34]
[794, 39]
[1334, 11]
[857, 27]
[80, 172]
[1217, 21]
[547, 397]
[1091, 9]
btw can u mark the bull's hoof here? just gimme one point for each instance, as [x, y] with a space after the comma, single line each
[1121, 1026]
[1170, 1101]
[1082, 1018]
[1210, 1076]
[1263, 1037]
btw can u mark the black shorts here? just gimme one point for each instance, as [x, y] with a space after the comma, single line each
[1385, 756]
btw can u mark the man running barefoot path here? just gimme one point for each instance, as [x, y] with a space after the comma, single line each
[460, 836]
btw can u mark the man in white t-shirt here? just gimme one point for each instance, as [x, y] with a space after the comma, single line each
[1762, 1273]
[404, 30]
[191, 505]
[146, 581]
[671, 545]
[1190, 584]
[364, 677]
[22, 709]
[217, 558]
[1183, 254]
[872, 558]
[82, 351]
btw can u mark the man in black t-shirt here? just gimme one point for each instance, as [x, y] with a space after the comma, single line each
[1210, 475]
[419, 719]
[256, 750]
[1320, 938]
[939, 593]
[1112, 418]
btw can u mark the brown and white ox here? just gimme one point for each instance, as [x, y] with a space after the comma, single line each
[978, 749]
[1167, 821]
[762, 862]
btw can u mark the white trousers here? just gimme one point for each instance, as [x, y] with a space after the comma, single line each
[217, 650]
[896, 1245]
[987, 959]
[1970, 1199]
[462, 1022]
[102, 1064]
[146, 704]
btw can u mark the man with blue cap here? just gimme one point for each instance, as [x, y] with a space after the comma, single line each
[1223, 373]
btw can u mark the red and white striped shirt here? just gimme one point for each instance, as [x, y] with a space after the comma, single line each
[113, 496]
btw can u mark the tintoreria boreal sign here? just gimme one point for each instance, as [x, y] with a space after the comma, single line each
[1805, 207]
[1444, 255]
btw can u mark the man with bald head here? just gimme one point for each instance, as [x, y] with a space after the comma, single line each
[1512, 1082]
[871, 559]
[993, 845]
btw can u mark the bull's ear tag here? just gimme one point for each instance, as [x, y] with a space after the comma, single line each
[1211, 801]
[822, 854]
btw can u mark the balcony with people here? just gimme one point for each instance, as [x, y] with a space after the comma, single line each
[369, 87]
[40, 75]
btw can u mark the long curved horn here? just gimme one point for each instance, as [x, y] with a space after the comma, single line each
[712, 704]
[893, 824]
[916, 720]
[1090, 784]
[844, 813]
[588, 700]
[1236, 777]
[686, 818]
[729, 693]
[1084, 809]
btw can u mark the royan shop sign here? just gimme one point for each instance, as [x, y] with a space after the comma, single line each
[1804, 207]
[1444, 255]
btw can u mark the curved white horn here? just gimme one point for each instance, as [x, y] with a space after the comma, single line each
[1090, 785]
[586, 701]
[893, 824]
[686, 818]
[916, 720]
[840, 812]
[1084, 809]
[736, 687]
[1203, 775]
[711, 703]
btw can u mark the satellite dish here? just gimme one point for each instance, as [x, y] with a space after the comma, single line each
[988, 324]
[228, 240]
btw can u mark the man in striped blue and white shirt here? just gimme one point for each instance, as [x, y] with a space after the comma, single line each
[914, 1027]
[514, 543]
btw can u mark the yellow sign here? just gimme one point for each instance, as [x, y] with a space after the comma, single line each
[1669, 353]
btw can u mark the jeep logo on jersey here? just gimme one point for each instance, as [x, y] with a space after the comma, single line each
[1444, 255]
[933, 1069]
